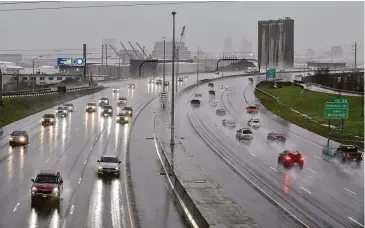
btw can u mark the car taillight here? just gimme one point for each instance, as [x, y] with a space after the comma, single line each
[275, 137]
[287, 158]
[301, 159]
[361, 155]
[347, 155]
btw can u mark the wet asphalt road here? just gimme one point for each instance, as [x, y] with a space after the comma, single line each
[323, 194]
[73, 146]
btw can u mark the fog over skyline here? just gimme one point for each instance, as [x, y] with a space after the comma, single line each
[318, 25]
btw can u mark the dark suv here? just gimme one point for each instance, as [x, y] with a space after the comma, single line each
[49, 119]
[348, 153]
[47, 185]
[18, 138]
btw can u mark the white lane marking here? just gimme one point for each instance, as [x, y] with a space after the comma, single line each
[47, 160]
[92, 148]
[253, 154]
[349, 191]
[77, 129]
[16, 207]
[79, 181]
[356, 222]
[348, 172]
[306, 190]
[273, 169]
[64, 224]
[317, 157]
[72, 209]
[312, 170]
[85, 162]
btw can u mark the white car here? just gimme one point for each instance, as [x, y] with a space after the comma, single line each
[115, 90]
[69, 106]
[91, 107]
[213, 103]
[198, 95]
[122, 101]
[220, 112]
[62, 111]
[109, 164]
[254, 123]
[104, 101]
[229, 122]
[244, 134]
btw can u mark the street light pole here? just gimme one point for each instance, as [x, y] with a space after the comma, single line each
[33, 70]
[197, 67]
[164, 60]
[172, 140]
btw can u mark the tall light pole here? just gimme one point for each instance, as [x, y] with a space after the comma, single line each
[172, 140]
[164, 60]
[40, 56]
[197, 67]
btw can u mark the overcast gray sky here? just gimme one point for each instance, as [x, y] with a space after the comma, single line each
[318, 25]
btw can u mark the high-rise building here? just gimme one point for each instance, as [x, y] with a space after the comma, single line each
[246, 48]
[276, 43]
[158, 50]
[228, 46]
[336, 53]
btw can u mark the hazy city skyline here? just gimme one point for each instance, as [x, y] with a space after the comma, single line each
[318, 25]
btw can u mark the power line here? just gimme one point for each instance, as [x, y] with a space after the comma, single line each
[113, 5]
[34, 2]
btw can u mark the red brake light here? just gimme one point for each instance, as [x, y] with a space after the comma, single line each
[301, 159]
[287, 158]
[361, 155]
[347, 155]
[275, 137]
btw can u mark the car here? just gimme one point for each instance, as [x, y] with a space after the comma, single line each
[103, 101]
[186, 76]
[62, 111]
[250, 79]
[229, 122]
[158, 82]
[69, 106]
[122, 118]
[210, 84]
[49, 119]
[198, 95]
[19, 138]
[132, 86]
[48, 184]
[248, 71]
[151, 80]
[180, 79]
[348, 153]
[127, 111]
[91, 107]
[167, 83]
[212, 92]
[122, 101]
[276, 136]
[244, 134]
[109, 164]
[252, 109]
[255, 123]
[213, 103]
[107, 110]
[289, 158]
[115, 90]
[220, 112]
[195, 102]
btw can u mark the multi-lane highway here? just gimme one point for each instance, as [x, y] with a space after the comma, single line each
[323, 194]
[73, 147]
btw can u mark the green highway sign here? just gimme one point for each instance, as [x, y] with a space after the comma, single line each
[271, 73]
[340, 100]
[336, 110]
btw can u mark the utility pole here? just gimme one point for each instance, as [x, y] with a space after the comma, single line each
[102, 60]
[355, 46]
[197, 67]
[172, 140]
[164, 60]
[106, 55]
[84, 56]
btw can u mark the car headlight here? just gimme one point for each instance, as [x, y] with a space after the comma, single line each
[100, 167]
[34, 189]
[10, 138]
[117, 168]
[21, 139]
[43, 119]
[55, 191]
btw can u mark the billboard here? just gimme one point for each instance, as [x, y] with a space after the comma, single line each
[71, 62]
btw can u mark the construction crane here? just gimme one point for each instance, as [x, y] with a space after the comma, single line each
[129, 55]
[142, 49]
[134, 50]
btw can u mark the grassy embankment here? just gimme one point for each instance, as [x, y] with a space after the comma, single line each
[16, 108]
[312, 104]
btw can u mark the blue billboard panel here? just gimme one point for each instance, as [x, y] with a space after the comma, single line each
[71, 62]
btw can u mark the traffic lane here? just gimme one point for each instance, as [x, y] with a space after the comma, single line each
[342, 195]
[352, 174]
[65, 180]
[252, 203]
[155, 206]
[318, 209]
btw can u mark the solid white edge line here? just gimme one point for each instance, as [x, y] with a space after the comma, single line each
[64, 224]
[253, 154]
[317, 157]
[355, 221]
[16, 207]
[348, 172]
[79, 181]
[350, 191]
[72, 209]
[85, 162]
[273, 169]
[187, 212]
[306, 190]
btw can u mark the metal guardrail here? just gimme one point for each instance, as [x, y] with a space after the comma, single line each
[31, 93]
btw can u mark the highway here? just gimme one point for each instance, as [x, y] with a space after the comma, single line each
[323, 194]
[73, 147]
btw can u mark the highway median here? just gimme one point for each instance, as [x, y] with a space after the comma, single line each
[306, 109]
[16, 108]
